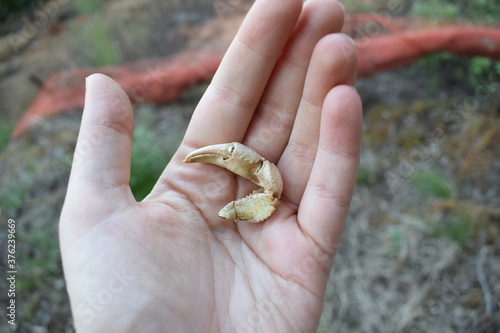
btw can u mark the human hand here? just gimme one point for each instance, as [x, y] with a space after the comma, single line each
[169, 263]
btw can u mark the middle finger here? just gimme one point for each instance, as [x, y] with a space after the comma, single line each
[273, 120]
[338, 68]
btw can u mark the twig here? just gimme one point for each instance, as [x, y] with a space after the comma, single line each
[483, 281]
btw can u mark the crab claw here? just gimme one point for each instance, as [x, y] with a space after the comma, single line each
[246, 163]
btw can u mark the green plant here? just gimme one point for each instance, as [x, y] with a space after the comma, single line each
[87, 7]
[5, 130]
[366, 176]
[458, 227]
[484, 74]
[483, 10]
[479, 10]
[101, 49]
[42, 261]
[429, 183]
[443, 67]
[436, 9]
[395, 240]
[12, 198]
[148, 160]
[481, 65]
[104, 51]
[478, 72]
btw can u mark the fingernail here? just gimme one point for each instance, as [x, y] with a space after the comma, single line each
[342, 5]
[87, 82]
[349, 38]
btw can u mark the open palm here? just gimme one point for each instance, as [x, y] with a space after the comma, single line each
[170, 263]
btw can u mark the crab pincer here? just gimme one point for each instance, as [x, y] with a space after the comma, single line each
[243, 161]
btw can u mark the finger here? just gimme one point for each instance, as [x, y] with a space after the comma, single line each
[274, 117]
[103, 150]
[226, 108]
[325, 72]
[324, 206]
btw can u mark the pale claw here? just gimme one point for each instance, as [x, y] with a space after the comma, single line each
[255, 207]
[246, 163]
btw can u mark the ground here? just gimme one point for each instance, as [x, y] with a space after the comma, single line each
[421, 246]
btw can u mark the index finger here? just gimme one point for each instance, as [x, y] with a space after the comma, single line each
[227, 106]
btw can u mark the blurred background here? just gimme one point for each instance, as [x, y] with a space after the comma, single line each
[421, 247]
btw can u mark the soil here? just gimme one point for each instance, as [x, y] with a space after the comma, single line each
[412, 259]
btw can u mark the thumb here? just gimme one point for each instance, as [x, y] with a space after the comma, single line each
[103, 151]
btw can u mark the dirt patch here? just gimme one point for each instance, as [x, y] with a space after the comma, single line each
[414, 260]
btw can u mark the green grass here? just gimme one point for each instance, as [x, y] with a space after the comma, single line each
[478, 10]
[366, 176]
[96, 33]
[441, 68]
[486, 11]
[148, 161]
[87, 7]
[484, 74]
[12, 198]
[458, 227]
[429, 183]
[395, 238]
[438, 9]
[478, 72]
[101, 47]
[41, 262]
[5, 131]
[105, 52]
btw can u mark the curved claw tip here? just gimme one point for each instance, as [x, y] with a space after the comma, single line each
[246, 163]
